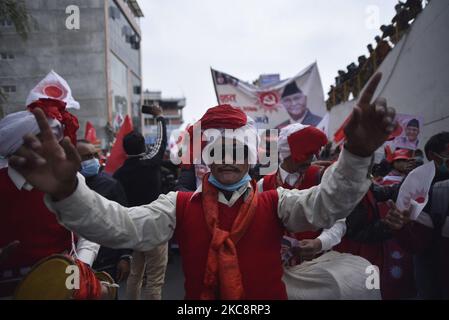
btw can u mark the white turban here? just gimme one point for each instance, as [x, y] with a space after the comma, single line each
[284, 147]
[15, 125]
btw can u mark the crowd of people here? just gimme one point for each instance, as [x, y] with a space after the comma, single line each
[357, 75]
[311, 229]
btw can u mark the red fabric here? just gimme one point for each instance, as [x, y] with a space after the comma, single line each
[56, 109]
[306, 143]
[399, 154]
[258, 250]
[312, 177]
[373, 252]
[223, 117]
[25, 217]
[222, 269]
[91, 134]
[118, 154]
[220, 117]
[90, 286]
[395, 264]
[397, 276]
[414, 237]
[340, 135]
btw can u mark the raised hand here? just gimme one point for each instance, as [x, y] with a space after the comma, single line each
[308, 249]
[48, 165]
[153, 110]
[370, 124]
[396, 219]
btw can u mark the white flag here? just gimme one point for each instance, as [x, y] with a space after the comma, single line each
[53, 86]
[414, 192]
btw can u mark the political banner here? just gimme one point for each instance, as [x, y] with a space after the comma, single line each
[410, 132]
[277, 104]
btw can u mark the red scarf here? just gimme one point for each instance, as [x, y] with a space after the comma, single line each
[222, 276]
[56, 109]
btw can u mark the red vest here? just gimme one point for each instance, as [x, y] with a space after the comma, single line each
[373, 252]
[25, 217]
[312, 177]
[395, 265]
[258, 250]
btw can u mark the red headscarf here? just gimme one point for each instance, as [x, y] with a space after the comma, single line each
[56, 109]
[220, 117]
[305, 143]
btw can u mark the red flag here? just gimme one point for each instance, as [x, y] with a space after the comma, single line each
[118, 155]
[91, 133]
[339, 135]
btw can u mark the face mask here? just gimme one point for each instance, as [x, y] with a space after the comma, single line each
[231, 187]
[443, 169]
[90, 168]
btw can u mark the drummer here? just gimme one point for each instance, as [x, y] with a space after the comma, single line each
[29, 232]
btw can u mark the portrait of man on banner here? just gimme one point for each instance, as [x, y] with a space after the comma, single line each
[294, 101]
[409, 139]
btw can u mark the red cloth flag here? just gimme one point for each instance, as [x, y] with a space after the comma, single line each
[340, 135]
[91, 133]
[118, 155]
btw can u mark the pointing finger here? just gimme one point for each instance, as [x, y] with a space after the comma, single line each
[70, 151]
[44, 127]
[368, 93]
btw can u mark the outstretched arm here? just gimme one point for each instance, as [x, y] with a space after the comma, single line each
[342, 187]
[346, 182]
[331, 237]
[111, 225]
[52, 168]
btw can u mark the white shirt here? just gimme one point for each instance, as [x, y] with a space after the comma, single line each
[86, 251]
[145, 227]
[329, 237]
[287, 177]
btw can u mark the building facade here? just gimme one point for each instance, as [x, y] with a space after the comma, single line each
[101, 60]
[173, 113]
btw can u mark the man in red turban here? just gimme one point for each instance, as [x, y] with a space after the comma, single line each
[225, 227]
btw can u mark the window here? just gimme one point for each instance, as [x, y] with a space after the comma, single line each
[9, 89]
[6, 23]
[114, 12]
[135, 42]
[137, 90]
[6, 56]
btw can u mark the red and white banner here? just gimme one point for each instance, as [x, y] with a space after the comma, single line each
[298, 99]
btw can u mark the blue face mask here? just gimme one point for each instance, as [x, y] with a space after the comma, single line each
[230, 187]
[90, 168]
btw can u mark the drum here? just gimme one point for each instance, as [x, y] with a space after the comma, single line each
[54, 278]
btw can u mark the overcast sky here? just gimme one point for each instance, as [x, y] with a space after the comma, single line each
[182, 39]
